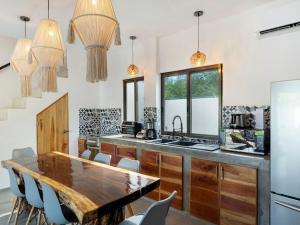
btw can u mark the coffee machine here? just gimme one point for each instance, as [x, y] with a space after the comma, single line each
[151, 132]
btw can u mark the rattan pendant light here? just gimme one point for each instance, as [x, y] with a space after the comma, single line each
[19, 62]
[133, 70]
[48, 49]
[198, 58]
[96, 24]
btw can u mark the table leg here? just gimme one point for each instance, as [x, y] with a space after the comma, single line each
[112, 218]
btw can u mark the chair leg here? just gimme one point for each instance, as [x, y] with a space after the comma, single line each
[30, 215]
[130, 210]
[38, 222]
[12, 211]
[18, 210]
[44, 218]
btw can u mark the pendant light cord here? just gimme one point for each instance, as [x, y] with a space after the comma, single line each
[48, 9]
[132, 55]
[198, 34]
[25, 29]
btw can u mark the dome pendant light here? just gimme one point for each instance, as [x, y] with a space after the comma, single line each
[198, 58]
[48, 49]
[96, 24]
[19, 61]
[133, 70]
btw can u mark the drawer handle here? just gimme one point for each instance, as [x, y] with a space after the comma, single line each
[287, 205]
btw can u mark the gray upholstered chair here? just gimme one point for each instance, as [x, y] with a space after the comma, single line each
[86, 154]
[132, 165]
[23, 153]
[103, 158]
[155, 214]
[129, 164]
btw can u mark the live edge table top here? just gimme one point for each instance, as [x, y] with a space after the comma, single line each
[89, 188]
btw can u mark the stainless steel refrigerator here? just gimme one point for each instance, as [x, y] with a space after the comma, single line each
[285, 153]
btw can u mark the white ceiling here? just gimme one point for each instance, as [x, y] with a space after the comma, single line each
[139, 17]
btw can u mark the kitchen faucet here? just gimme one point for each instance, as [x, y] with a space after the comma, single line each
[181, 126]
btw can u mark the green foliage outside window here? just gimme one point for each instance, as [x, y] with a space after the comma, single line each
[204, 84]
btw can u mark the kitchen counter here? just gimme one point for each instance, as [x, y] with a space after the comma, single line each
[262, 163]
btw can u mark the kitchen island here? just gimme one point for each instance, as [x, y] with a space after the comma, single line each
[212, 185]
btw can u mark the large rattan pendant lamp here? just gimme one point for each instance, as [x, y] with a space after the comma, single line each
[48, 49]
[133, 70]
[19, 62]
[96, 24]
[198, 58]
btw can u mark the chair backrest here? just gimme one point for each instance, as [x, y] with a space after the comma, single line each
[129, 164]
[158, 211]
[103, 158]
[86, 154]
[32, 192]
[52, 206]
[23, 153]
[14, 185]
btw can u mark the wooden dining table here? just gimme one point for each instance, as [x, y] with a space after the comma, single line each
[94, 191]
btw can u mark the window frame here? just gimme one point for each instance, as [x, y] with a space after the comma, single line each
[188, 73]
[125, 82]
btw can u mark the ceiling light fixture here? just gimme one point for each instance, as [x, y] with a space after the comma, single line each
[19, 61]
[48, 49]
[96, 25]
[133, 70]
[198, 58]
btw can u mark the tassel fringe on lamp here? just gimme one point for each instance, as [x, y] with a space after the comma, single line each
[96, 24]
[19, 62]
[198, 58]
[48, 49]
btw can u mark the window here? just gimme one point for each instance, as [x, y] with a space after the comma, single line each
[134, 99]
[196, 96]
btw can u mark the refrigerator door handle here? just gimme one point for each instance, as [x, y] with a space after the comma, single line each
[287, 205]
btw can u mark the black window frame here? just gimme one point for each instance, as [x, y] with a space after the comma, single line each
[188, 73]
[125, 82]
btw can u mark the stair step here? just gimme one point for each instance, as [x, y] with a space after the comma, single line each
[3, 114]
[17, 103]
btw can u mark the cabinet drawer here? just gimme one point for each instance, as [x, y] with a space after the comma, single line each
[126, 152]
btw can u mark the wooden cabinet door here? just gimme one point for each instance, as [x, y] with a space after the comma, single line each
[150, 166]
[125, 152]
[204, 196]
[238, 195]
[109, 149]
[171, 174]
[81, 146]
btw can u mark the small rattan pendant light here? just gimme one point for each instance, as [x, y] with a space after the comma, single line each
[198, 58]
[133, 70]
[96, 24]
[19, 62]
[48, 49]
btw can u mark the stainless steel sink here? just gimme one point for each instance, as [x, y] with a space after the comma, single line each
[182, 143]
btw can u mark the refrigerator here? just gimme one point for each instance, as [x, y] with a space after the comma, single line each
[285, 153]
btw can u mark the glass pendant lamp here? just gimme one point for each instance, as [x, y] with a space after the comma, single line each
[20, 64]
[198, 58]
[95, 22]
[48, 50]
[133, 70]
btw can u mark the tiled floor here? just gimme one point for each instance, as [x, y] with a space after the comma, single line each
[175, 217]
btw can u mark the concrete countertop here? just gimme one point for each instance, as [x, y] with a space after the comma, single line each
[217, 155]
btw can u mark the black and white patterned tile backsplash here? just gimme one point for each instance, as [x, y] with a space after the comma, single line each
[98, 122]
[228, 110]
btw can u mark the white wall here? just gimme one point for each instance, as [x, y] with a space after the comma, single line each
[250, 64]
[20, 130]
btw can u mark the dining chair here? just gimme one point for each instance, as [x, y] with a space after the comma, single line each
[34, 197]
[86, 154]
[23, 153]
[129, 164]
[18, 190]
[155, 214]
[132, 165]
[103, 158]
[56, 212]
